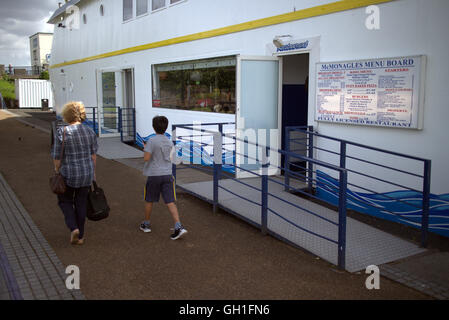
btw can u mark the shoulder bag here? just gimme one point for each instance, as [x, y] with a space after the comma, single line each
[97, 205]
[57, 183]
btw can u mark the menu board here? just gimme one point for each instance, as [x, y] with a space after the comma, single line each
[378, 92]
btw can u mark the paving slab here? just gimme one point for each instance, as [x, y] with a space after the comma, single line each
[34, 270]
[114, 148]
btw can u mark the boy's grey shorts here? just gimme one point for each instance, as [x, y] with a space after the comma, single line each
[157, 185]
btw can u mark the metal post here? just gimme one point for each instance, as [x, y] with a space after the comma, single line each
[93, 116]
[342, 154]
[310, 155]
[191, 150]
[286, 159]
[134, 124]
[264, 200]
[218, 157]
[120, 124]
[100, 121]
[343, 179]
[425, 204]
[173, 138]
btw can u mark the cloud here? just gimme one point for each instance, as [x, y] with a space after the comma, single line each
[21, 19]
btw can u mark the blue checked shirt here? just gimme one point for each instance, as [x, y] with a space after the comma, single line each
[80, 144]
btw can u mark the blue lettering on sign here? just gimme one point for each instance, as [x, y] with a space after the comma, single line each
[293, 46]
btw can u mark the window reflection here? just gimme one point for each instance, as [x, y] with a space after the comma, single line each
[203, 85]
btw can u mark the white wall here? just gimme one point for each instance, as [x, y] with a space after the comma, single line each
[407, 27]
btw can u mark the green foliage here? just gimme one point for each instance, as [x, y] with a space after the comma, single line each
[45, 75]
[7, 89]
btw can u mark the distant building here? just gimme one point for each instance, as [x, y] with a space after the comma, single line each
[40, 50]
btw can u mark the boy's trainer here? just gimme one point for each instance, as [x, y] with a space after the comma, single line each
[145, 228]
[178, 233]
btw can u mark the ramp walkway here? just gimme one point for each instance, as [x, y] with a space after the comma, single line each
[262, 200]
[114, 148]
[365, 245]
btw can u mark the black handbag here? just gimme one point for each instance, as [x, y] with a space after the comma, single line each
[97, 205]
[57, 183]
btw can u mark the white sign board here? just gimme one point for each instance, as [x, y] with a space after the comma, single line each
[380, 92]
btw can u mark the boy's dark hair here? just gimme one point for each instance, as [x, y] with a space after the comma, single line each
[160, 124]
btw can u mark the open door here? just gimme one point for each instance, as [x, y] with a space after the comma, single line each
[128, 109]
[110, 98]
[257, 114]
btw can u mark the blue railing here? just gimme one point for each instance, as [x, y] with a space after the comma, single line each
[409, 205]
[114, 120]
[217, 144]
[92, 118]
[127, 124]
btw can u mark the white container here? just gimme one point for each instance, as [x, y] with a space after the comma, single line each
[30, 93]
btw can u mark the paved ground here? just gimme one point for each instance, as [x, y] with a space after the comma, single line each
[220, 258]
[30, 267]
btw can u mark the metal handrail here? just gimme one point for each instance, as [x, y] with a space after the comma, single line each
[217, 167]
[425, 176]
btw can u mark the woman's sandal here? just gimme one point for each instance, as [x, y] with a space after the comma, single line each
[74, 236]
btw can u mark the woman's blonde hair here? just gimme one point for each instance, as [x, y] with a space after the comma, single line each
[74, 111]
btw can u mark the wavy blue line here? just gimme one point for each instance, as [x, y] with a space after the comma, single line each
[183, 151]
[387, 205]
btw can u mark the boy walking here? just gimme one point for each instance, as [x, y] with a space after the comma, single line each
[158, 168]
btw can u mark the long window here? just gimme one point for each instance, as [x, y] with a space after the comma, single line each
[157, 4]
[141, 7]
[202, 85]
[127, 10]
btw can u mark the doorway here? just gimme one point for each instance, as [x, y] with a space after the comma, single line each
[116, 95]
[128, 110]
[295, 101]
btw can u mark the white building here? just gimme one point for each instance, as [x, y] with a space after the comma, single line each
[246, 61]
[40, 49]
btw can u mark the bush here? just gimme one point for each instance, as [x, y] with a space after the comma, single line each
[7, 89]
[45, 75]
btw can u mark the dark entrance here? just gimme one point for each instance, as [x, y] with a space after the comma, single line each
[295, 96]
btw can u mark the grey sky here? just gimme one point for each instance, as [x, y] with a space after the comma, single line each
[20, 19]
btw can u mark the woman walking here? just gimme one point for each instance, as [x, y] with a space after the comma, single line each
[77, 166]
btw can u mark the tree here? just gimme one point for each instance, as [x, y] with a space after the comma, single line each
[44, 75]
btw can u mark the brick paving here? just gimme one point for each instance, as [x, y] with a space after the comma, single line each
[31, 262]
[424, 284]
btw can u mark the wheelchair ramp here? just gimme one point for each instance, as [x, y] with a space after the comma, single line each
[114, 148]
[365, 245]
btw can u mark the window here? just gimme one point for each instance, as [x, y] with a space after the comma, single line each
[174, 1]
[157, 4]
[206, 85]
[35, 55]
[141, 7]
[101, 10]
[35, 43]
[84, 18]
[127, 9]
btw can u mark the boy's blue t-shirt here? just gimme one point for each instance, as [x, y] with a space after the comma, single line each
[160, 164]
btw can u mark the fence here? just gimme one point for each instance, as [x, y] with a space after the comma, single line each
[368, 168]
[113, 120]
[24, 70]
[269, 199]
[127, 124]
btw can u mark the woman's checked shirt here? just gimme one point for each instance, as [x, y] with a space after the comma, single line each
[80, 144]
